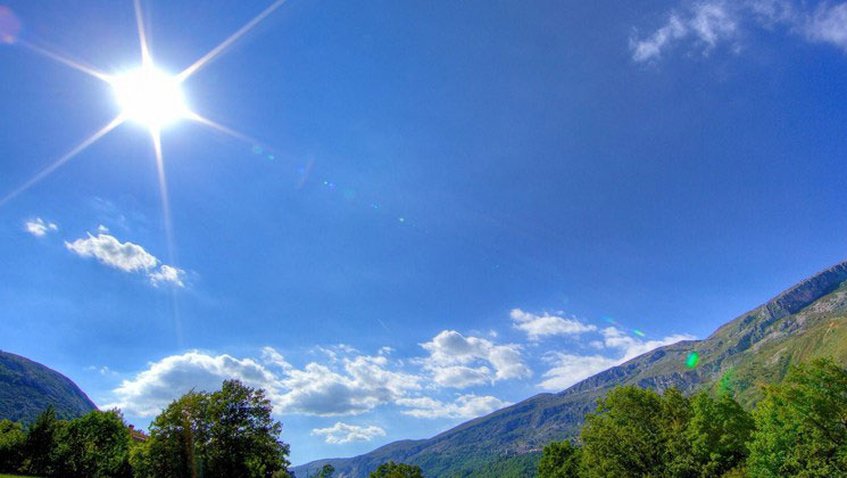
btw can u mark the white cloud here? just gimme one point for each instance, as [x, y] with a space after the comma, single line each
[127, 257]
[465, 406]
[39, 227]
[568, 369]
[458, 361]
[633, 347]
[341, 433]
[163, 381]
[539, 326]
[167, 274]
[709, 23]
[355, 385]
[829, 24]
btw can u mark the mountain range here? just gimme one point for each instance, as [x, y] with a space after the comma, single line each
[27, 388]
[804, 322]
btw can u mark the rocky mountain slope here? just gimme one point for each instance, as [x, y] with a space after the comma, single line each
[806, 321]
[27, 388]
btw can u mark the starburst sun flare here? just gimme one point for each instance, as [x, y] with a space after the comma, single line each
[146, 96]
[150, 97]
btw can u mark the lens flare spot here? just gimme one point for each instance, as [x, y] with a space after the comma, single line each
[692, 360]
[150, 97]
[10, 25]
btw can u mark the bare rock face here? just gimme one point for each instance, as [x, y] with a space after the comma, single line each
[806, 321]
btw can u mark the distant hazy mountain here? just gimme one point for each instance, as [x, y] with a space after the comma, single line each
[27, 388]
[804, 322]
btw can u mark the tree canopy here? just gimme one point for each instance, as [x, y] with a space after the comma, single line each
[397, 470]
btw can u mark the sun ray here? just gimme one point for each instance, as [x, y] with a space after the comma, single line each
[64, 159]
[142, 33]
[65, 61]
[215, 52]
[223, 129]
[156, 135]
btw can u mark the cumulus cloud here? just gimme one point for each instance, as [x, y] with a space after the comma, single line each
[127, 257]
[360, 384]
[341, 433]
[539, 326]
[465, 406]
[39, 227]
[458, 361]
[163, 381]
[354, 385]
[705, 25]
[568, 369]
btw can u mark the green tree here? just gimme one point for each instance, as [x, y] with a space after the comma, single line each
[12, 439]
[396, 470]
[243, 437]
[95, 445]
[560, 459]
[326, 471]
[624, 437]
[41, 445]
[638, 433]
[801, 424]
[177, 439]
[228, 433]
[718, 434]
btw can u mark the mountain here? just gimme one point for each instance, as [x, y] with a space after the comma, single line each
[804, 322]
[27, 388]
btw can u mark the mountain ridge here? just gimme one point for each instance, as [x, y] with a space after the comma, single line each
[803, 321]
[28, 387]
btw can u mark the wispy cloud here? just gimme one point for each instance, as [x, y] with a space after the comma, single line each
[341, 433]
[126, 257]
[464, 406]
[619, 347]
[39, 227]
[539, 326]
[705, 25]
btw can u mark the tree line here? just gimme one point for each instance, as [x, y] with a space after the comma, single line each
[798, 429]
[228, 433]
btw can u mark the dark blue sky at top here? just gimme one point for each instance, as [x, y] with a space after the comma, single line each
[421, 166]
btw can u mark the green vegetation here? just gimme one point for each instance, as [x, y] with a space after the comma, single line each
[798, 429]
[228, 433]
[27, 388]
[397, 470]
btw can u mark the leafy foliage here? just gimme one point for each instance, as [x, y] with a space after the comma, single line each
[802, 424]
[95, 445]
[226, 433]
[397, 470]
[637, 432]
[560, 460]
[42, 443]
[12, 438]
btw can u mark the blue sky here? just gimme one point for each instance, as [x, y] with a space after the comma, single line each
[433, 209]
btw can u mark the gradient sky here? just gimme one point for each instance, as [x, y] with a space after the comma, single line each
[445, 206]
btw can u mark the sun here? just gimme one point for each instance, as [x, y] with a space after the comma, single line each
[150, 97]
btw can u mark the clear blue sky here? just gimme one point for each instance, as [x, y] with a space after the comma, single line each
[445, 207]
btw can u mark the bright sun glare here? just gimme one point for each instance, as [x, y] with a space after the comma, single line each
[150, 97]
